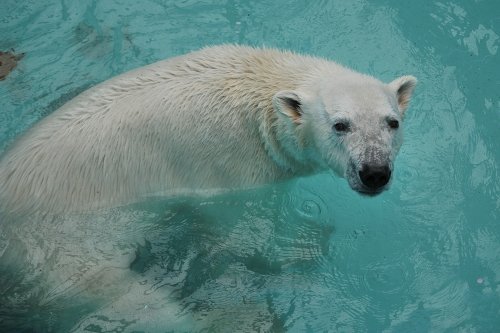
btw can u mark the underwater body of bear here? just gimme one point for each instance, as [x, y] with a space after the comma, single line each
[221, 117]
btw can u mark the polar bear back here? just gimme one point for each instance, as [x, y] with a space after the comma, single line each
[197, 121]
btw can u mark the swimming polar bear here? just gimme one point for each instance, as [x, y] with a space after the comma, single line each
[221, 117]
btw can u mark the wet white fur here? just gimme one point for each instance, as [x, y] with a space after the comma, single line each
[210, 119]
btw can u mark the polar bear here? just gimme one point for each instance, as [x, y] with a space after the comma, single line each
[223, 117]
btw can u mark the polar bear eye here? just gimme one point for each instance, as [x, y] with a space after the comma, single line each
[341, 127]
[393, 123]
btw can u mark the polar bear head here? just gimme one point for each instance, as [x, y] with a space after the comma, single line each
[352, 127]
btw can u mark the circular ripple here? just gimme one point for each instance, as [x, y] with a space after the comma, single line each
[303, 204]
[309, 209]
[386, 278]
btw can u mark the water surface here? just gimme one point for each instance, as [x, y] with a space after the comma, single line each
[306, 256]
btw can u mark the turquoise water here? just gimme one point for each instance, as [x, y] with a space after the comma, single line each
[306, 256]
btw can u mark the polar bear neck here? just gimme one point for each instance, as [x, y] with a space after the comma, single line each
[287, 152]
[252, 79]
[240, 82]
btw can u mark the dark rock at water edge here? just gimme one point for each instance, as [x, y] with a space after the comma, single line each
[8, 61]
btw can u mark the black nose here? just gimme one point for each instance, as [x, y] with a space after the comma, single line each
[375, 176]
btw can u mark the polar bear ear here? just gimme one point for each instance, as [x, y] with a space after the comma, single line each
[403, 87]
[288, 103]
